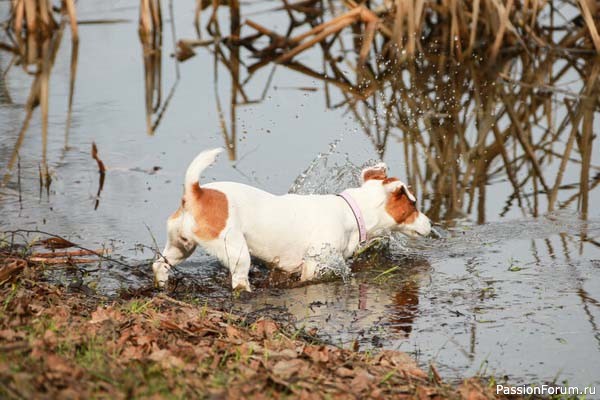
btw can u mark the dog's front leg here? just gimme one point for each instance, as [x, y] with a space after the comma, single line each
[309, 269]
[232, 251]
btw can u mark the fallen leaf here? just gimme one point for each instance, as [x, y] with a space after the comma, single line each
[8, 334]
[285, 369]
[232, 332]
[58, 364]
[317, 354]
[344, 372]
[166, 359]
[362, 381]
[265, 328]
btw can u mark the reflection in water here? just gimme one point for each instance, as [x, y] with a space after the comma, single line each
[405, 307]
[462, 123]
[41, 55]
[151, 37]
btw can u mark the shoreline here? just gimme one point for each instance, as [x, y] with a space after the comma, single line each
[56, 343]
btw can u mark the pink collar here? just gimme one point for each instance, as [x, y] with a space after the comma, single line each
[362, 230]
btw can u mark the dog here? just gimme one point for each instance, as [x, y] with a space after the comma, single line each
[234, 221]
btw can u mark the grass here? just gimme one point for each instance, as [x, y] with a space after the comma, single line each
[137, 306]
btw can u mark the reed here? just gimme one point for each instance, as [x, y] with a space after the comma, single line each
[462, 122]
[35, 18]
[150, 33]
[45, 56]
[403, 29]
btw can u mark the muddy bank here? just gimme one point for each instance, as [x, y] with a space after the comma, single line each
[55, 342]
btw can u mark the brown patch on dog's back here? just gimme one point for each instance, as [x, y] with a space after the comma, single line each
[210, 210]
[401, 208]
[374, 174]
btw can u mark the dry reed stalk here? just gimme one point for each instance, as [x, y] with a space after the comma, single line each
[145, 25]
[18, 15]
[586, 142]
[504, 21]
[69, 6]
[150, 32]
[72, 79]
[34, 18]
[62, 260]
[70, 253]
[326, 31]
[38, 95]
[398, 32]
[235, 29]
[575, 118]
[588, 15]
[198, 18]
[101, 174]
[30, 15]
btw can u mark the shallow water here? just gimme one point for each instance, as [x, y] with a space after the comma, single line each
[510, 288]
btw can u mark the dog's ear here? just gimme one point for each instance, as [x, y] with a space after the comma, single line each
[398, 188]
[377, 171]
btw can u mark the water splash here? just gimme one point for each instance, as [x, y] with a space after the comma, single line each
[329, 172]
[330, 263]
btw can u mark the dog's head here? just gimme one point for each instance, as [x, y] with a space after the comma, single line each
[394, 202]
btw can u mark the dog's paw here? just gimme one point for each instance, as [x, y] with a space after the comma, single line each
[242, 284]
[159, 284]
[161, 274]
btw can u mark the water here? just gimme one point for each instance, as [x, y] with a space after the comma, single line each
[509, 288]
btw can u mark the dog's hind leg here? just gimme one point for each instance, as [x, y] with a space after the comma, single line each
[178, 248]
[232, 251]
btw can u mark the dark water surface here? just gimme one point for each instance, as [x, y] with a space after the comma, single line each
[512, 286]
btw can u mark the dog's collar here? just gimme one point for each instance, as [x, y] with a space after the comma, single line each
[360, 221]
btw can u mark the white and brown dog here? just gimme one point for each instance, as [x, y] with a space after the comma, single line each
[233, 221]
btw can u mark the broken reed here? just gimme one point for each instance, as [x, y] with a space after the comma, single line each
[36, 18]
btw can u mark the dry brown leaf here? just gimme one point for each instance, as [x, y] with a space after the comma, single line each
[50, 337]
[132, 353]
[265, 328]
[8, 334]
[165, 323]
[285, 369]
[424, 393]
[232, 332]
[58, 364]
[102, 314]
[317, 353]
[166, 359]
[362, 381]
[344, 372]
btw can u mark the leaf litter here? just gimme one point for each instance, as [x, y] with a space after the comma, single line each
[59, 344]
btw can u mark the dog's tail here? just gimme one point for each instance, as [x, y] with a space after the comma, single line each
[200, 163]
